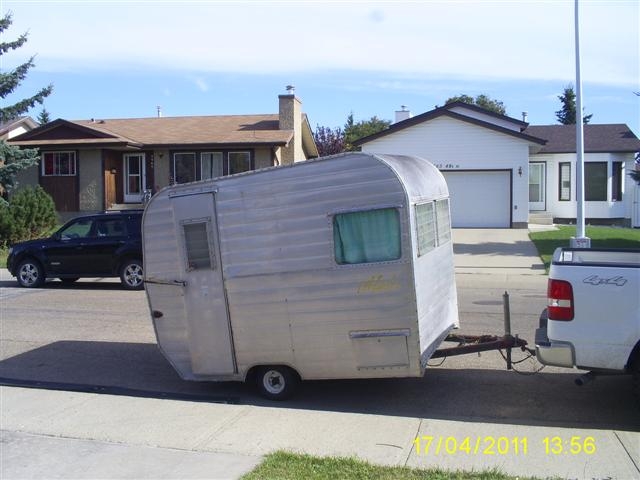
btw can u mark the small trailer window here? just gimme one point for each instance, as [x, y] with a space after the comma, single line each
[426, 225]
[196, 243]
[443, 221]
[367, 237]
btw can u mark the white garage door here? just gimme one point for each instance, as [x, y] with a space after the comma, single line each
[480, 199]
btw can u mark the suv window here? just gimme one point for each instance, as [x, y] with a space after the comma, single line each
[81, 228]
[111, 227]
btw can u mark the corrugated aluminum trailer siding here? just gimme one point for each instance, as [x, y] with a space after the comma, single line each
[163, 260]
[289, 301]
[436, 296]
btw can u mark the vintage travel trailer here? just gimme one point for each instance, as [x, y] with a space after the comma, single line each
[338, 267]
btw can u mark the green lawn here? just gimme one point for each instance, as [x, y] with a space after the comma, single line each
[601, 237]
[290, 466]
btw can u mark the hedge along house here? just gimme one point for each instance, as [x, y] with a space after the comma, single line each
[93, 165]
[483, 156]
[611, 195]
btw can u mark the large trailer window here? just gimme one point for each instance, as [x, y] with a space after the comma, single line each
[196, 243]
[426, 225]
[367, 237]
[443, 221]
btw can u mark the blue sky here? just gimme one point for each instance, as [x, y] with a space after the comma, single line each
[115, 59]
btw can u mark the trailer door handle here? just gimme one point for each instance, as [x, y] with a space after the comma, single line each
[173, 283]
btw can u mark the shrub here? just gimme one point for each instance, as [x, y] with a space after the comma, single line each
[29, 214]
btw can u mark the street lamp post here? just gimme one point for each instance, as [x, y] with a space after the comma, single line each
[580, 240]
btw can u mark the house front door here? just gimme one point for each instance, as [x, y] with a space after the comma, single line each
[134, 177]
[537, 186]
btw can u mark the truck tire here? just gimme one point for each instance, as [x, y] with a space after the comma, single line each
[131, 275]
[276, 382]
[30, 274]
[635, 371]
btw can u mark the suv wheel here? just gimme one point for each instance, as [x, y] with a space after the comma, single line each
[30, 274]
[131, 275]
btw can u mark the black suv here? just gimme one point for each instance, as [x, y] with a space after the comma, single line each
[102, 245]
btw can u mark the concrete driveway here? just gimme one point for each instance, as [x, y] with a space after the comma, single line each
[497, 251]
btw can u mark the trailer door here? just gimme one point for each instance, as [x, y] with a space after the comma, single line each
[206, 308]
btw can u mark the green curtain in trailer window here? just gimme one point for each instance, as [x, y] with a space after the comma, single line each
[366, 237]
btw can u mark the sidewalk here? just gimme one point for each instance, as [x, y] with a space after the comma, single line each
[58, 434]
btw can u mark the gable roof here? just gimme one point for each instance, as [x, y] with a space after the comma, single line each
[8, 126]
[446, 112]
[161, 131]
[597, 138]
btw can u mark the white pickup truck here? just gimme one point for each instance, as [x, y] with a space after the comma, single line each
[592, 321]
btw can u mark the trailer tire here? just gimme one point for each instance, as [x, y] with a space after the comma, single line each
[276, 382]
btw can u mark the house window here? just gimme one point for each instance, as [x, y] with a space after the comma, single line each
[426, 226]
[595, 181]
[443, 221]
[194, 166]
[239, 162]
[367, 237]
[196, 240]
[211, 165]
[184, 167]
[617, 175]
[564, 186]
[62, 164]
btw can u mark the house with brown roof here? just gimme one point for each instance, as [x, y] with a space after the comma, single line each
[502, 172]
[611, 195]
[99, 164]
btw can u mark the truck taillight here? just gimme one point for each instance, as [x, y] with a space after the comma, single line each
[560, 300]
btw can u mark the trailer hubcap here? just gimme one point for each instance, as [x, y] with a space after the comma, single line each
[273, 382]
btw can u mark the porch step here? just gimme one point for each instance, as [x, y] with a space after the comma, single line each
[541, 218]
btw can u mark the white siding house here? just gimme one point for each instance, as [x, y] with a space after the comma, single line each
[501, 172]
[483, 156]
[611, 195]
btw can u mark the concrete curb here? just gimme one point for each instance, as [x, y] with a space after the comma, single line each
[247, 432]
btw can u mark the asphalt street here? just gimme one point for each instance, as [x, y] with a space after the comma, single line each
[94, 337]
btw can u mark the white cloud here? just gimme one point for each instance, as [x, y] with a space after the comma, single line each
[201, 84]
[466, 39]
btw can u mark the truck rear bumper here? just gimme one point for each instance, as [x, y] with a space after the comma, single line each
[558, 354]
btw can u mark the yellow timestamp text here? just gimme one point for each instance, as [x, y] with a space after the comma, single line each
[491, 445]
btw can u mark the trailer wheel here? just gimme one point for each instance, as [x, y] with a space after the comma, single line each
[276, 382]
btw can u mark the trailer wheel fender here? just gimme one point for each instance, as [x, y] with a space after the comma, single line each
[275, 382]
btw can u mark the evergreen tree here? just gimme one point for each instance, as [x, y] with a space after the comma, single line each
[567, 114]
[43, 116]
[12, 159]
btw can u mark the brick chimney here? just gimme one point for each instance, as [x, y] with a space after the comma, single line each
[290, 118]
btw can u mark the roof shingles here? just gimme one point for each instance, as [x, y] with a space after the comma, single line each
[597, 138]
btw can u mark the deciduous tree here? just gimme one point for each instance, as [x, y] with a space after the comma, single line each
[354, 131]
[329, 141]
[481, 100]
